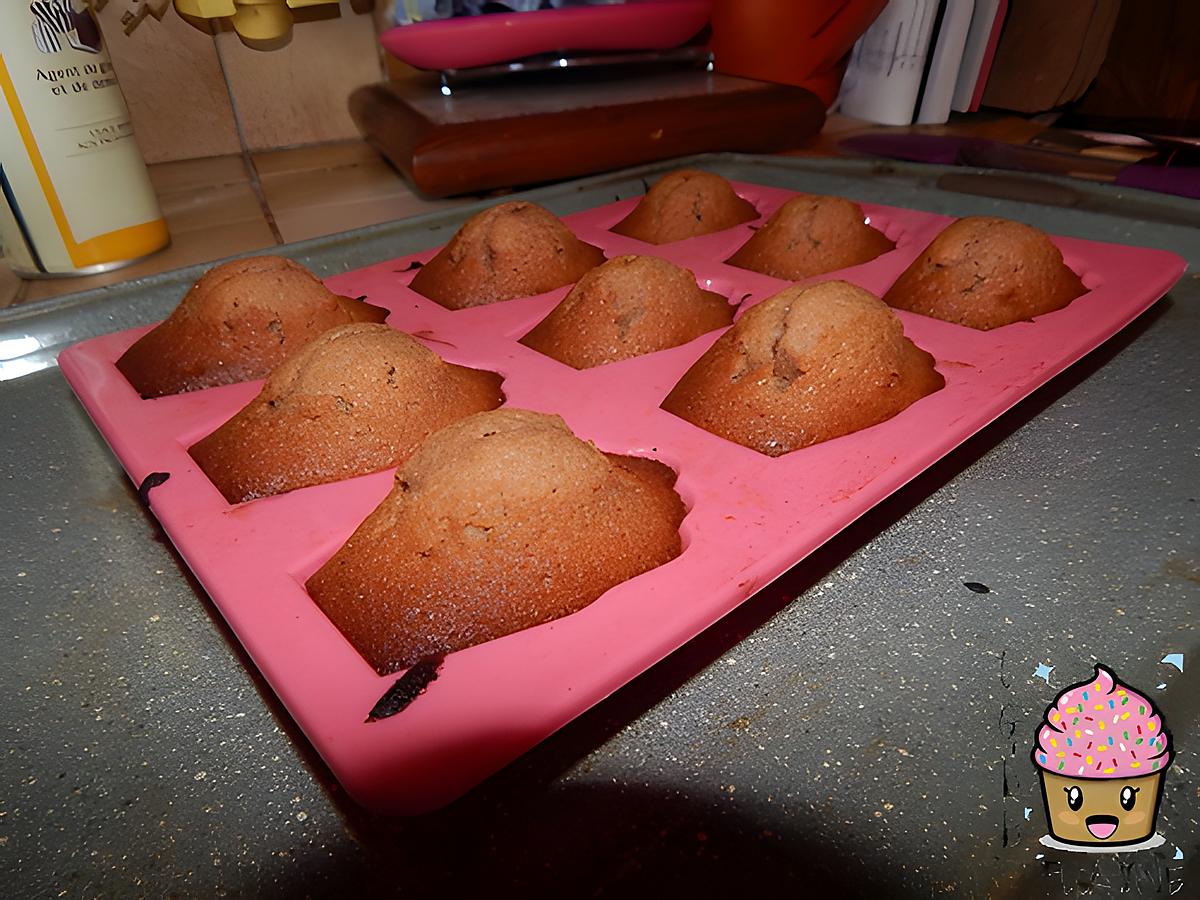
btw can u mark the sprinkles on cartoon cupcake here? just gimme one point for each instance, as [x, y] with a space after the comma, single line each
[1101, 751]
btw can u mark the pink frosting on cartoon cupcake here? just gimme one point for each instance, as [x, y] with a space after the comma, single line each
[1102, 729]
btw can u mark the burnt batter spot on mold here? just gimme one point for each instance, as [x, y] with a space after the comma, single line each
[412, 265]
[149, 483]
[427, 335]
[363, 297]
[406, 689]
[977, 587]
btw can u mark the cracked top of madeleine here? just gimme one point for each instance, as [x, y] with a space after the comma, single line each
[811, 235]
[514, 249]
[684, 204]
[500, 521]
[810, 364]
[985, 272]
[627, 307]
[239, 321]
[357, 399]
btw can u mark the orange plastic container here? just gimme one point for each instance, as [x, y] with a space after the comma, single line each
[790, 42]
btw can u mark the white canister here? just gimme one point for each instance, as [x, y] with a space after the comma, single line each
[76, 198]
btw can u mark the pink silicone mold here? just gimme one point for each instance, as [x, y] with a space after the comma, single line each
[750, 517]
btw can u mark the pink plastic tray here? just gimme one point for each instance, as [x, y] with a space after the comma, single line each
[750, 517]
[469, 41]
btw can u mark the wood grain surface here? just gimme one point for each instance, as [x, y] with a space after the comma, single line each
[172, 81]
[297, 94]
[489, 136]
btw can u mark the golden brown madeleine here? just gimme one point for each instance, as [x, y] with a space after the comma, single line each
[357, 399]
[514, 249]
[811, 235]
[626, 307]
[237, 323]
[684, 204]
[807, 365]
[499, 522]
[984, 272]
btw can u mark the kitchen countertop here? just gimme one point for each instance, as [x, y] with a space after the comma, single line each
[863, 723]
[226, 205]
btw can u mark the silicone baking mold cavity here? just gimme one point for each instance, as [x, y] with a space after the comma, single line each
[750, 518]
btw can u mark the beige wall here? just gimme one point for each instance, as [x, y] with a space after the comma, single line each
[194, 95]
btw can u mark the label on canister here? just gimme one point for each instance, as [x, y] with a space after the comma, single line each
[76, 196]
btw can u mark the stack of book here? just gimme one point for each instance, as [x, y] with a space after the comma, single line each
[923, 58]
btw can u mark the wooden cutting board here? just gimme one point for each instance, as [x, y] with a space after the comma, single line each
[524, 131]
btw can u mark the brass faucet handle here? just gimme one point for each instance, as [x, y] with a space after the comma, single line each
[137, 11]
